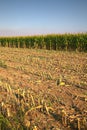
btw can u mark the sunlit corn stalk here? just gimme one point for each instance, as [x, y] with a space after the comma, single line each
[32, 99]
[64, 117]
[8, 87]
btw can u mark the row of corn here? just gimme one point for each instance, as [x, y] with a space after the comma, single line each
[74, 42]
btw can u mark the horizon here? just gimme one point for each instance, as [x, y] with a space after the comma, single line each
[37, 35]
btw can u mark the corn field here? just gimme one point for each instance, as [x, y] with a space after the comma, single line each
[68, 42]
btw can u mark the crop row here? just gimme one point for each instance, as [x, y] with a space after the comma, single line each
[75, 42]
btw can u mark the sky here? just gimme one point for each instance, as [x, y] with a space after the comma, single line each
[33, 17]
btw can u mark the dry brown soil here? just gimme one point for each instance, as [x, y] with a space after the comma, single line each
[49, 87]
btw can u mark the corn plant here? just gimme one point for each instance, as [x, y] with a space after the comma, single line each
[69, 42]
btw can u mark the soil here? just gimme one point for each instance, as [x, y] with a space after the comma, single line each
[49, 87]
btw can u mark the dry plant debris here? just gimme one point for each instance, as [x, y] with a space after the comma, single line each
[42, 90]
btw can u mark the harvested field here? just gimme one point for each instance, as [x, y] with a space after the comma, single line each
[43, 90]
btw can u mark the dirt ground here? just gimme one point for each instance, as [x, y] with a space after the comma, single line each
[43, 90]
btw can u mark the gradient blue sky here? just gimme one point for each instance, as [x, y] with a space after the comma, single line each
[30, 17]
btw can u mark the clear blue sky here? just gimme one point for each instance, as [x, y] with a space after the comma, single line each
[29, 17]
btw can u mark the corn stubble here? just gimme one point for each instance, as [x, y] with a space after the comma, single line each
[22, 107]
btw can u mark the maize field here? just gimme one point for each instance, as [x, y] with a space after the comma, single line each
[69, 42]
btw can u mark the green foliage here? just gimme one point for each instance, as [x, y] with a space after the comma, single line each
[4, 123]
[69, 42]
